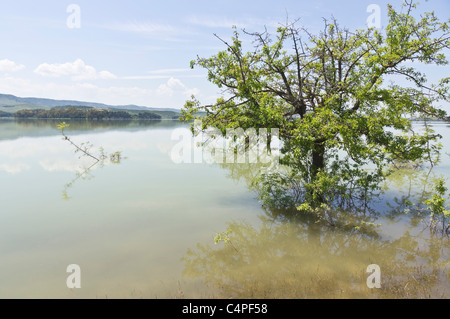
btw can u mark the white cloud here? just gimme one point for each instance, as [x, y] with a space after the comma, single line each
[65, 165]
[106, 75]
[193, 91]
[170, 93]
[77, 70]
[23, 148]
[10, 66]
[175, 86]
[14, 168]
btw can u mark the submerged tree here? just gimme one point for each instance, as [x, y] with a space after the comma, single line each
[85, 149]
[333, 99]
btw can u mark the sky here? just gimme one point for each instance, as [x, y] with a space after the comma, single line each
[138, 52]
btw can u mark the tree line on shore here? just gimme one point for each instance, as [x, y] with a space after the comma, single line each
[76, 113]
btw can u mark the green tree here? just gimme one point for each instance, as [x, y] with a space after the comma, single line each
[437, 207]
[333, 97]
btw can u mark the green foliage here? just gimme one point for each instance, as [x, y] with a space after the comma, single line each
[5, 114]
[329, 95]
[225, 237]
[277, 190]
[84, 113]
[115, 157]
[148, 116]
[62, 126]
[436, 205]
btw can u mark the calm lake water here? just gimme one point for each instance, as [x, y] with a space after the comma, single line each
[145, 227]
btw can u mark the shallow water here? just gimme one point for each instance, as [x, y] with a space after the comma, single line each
[145, 227]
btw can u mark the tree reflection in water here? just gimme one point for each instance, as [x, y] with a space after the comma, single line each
[84, 149]
[300, 260]
[292, 255]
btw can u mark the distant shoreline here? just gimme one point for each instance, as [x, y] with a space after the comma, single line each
[9, 118]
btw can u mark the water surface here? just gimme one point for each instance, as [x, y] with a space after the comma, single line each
[145, 227]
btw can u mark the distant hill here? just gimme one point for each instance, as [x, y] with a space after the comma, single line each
[11, 103]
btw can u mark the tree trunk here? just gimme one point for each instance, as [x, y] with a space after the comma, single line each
[318, 164]
[318, 159]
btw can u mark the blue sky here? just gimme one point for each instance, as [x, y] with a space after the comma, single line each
[138, 52]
